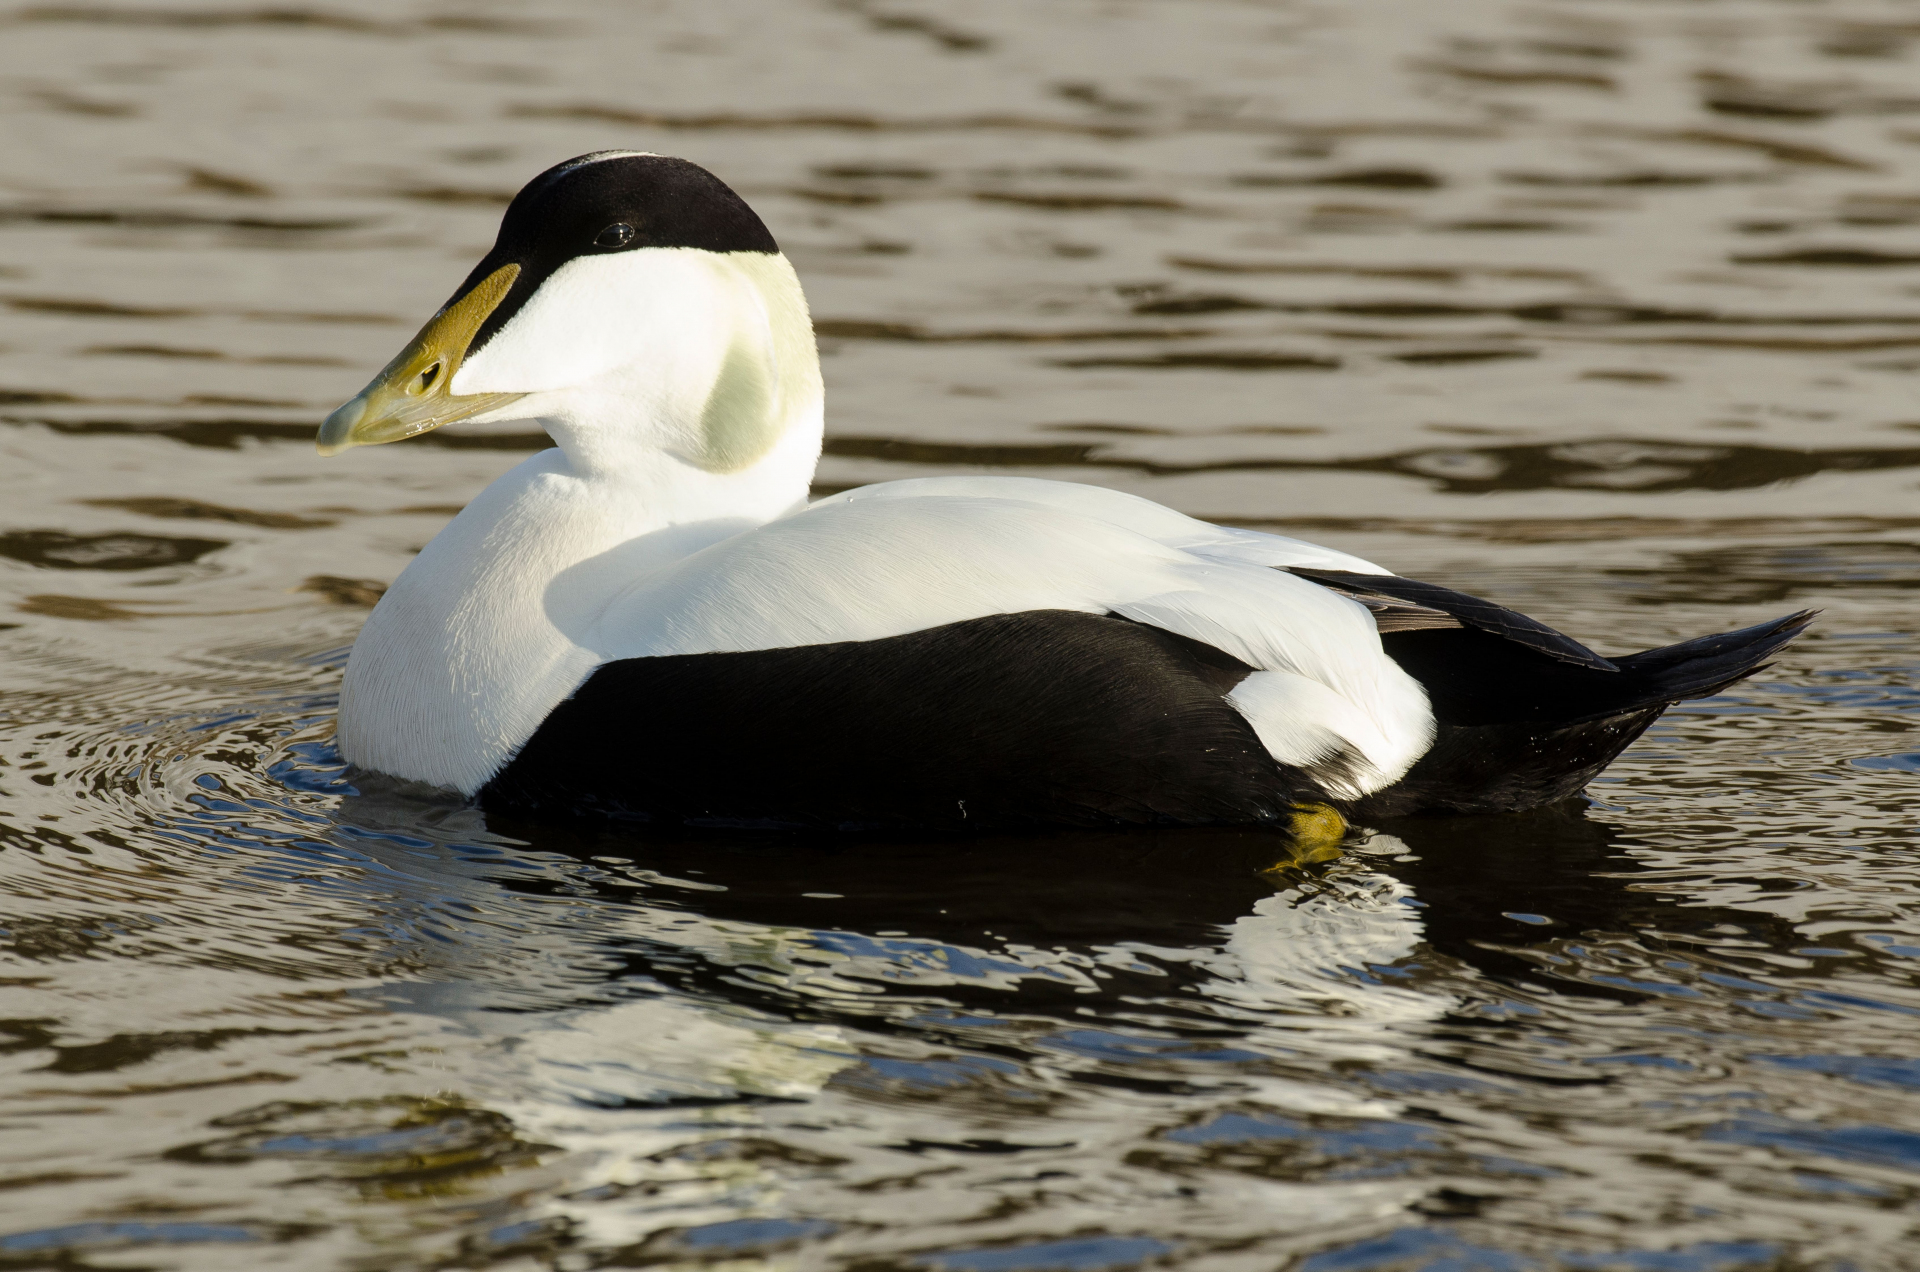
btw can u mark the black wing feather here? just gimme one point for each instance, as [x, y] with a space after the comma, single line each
[1485, 616]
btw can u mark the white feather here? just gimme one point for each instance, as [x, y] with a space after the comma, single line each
[1156, 521]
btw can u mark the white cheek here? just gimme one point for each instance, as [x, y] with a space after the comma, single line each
[596, 314]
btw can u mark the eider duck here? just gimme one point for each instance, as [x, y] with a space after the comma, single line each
[651, 623]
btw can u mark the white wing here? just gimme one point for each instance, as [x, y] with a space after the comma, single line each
[1155, 521]
[885, 561]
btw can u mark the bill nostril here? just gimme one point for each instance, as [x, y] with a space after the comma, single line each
[427, 378]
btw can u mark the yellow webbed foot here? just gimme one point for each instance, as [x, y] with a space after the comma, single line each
[1317, 831]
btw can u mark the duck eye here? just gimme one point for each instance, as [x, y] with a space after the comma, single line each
[619, 234]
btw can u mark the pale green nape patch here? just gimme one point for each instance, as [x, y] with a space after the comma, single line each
[740, 422]
[771, 372]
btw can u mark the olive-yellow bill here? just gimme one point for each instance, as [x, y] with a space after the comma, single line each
[414, 394]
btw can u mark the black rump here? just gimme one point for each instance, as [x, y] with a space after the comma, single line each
[1519, 723]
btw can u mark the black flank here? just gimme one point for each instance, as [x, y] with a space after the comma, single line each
[1048, 717]
[1056, 718]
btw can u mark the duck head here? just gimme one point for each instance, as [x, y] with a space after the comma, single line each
[634, 305]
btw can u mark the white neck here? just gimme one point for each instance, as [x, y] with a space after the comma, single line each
[490, 627]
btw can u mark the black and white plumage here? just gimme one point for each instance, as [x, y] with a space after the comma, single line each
[651, 622]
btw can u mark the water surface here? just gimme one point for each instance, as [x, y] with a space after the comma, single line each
[1609, 311]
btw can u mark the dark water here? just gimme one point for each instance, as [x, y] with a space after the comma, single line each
[1609, 310]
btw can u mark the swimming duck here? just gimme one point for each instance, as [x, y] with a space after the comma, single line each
[650, 622]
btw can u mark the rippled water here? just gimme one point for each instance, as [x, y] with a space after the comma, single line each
[1609, 310]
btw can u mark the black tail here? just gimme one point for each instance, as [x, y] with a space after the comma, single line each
[1707, 664]
[1519, 728]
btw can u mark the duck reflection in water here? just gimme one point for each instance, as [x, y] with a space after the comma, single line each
[1222, 938]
